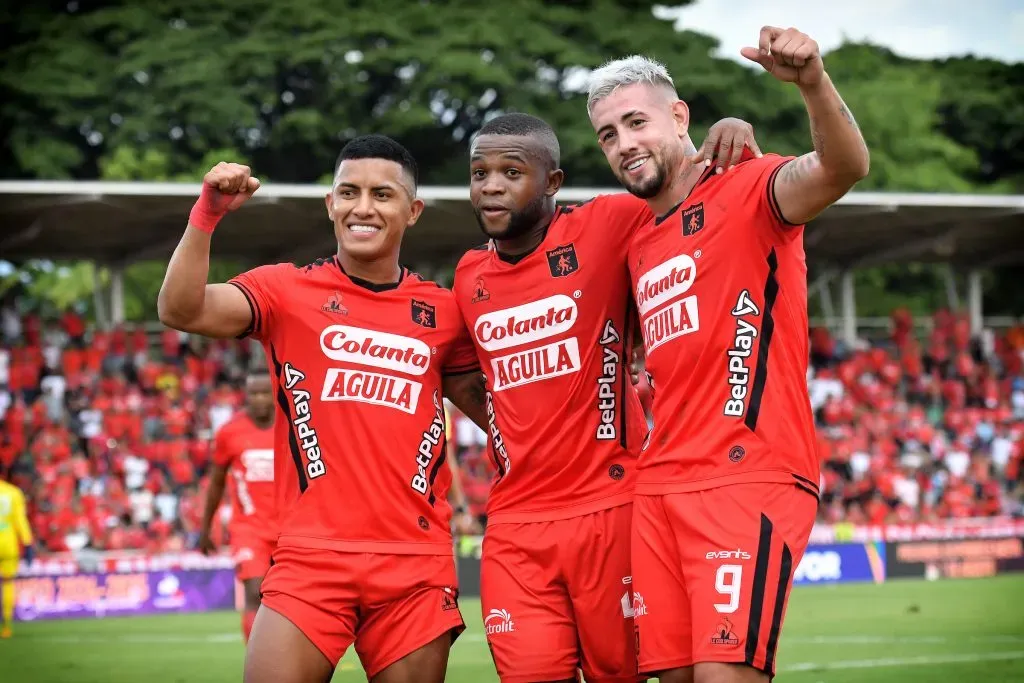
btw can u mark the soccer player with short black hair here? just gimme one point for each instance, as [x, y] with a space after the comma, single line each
[363, 353]
[548, 303]
[727, 486]
[244, 448]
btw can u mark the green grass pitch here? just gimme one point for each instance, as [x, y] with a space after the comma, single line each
[902, 631]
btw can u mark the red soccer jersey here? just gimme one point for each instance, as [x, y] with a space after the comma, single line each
[552, 330]
[360, 426]
[248, 453]
[721, 288]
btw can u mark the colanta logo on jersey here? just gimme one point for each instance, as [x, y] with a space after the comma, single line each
[525, 324]
[662, 285]
[380, 349]
[665, 282]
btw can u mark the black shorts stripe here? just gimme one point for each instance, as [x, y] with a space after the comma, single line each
[764, 548]
[286, 409]
[773, 201]
[780, 601]
[254, 310]
[771, 292]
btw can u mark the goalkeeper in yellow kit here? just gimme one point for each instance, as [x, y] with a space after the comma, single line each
[14, 534]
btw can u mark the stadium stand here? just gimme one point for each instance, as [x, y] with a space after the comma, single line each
[110, 434]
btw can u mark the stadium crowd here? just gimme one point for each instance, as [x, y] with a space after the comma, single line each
[109, 434]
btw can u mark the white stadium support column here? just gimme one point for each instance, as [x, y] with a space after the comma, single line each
[974, 305]
[849, 306]
[99, 305]
[116, 295]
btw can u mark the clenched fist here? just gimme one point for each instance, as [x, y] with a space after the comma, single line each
[234, 185]
[787, 54]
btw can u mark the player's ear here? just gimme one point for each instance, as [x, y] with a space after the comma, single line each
[416, 209]
[681, 114]
[555, 179]
[330, 205]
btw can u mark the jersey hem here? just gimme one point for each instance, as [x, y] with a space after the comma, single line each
[376, 547]
[653, 487]
[519, 517]
[250, 530]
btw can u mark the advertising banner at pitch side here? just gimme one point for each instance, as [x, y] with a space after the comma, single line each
[123, 594]
[842, 563]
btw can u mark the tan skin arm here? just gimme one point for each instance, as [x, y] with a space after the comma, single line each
[186, 302]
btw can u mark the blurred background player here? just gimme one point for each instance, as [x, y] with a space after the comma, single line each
[463, 521]
[244, 448]
[548, 301]
[15, 535]
[728, 484]
[364, 353]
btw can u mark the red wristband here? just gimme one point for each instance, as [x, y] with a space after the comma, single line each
[203, 215]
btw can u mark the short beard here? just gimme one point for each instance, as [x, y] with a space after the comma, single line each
[650, 187]
[519, 222]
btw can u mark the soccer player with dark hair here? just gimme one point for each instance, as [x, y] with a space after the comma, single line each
[548, 303]
[363, 353]
[244, 447]
[727, 485]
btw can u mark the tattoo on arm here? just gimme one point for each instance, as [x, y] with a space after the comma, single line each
[846, 114]
[801, 167]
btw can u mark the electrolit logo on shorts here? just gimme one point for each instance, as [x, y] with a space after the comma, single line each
[378, 349]
[499, 621]
[526, 323]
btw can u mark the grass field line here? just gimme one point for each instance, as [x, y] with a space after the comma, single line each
[923, 660]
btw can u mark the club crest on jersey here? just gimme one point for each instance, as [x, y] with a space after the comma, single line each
[334, 305]
[423, 314]
[562, 260]
[693, 219]
[480, 292]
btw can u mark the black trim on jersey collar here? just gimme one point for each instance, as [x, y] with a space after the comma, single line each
[708, 172]
[513, 259]
[372, 286]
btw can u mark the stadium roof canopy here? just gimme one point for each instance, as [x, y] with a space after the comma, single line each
[123, 222]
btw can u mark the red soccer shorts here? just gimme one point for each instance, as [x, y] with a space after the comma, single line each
[252, 556]
[388, 605]
[712, 571]
[556, 597]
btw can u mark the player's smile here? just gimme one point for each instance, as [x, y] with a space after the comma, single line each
[363, 230]
[634, 167]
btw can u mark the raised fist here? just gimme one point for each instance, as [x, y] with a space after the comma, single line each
[233, 183]
[787, 54]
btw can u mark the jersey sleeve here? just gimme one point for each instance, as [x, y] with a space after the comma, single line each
[262, 288]
[461, 357]
[760, 192]
[621, 215]
[223, 454]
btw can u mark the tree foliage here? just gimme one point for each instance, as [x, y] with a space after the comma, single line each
[162, 91]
